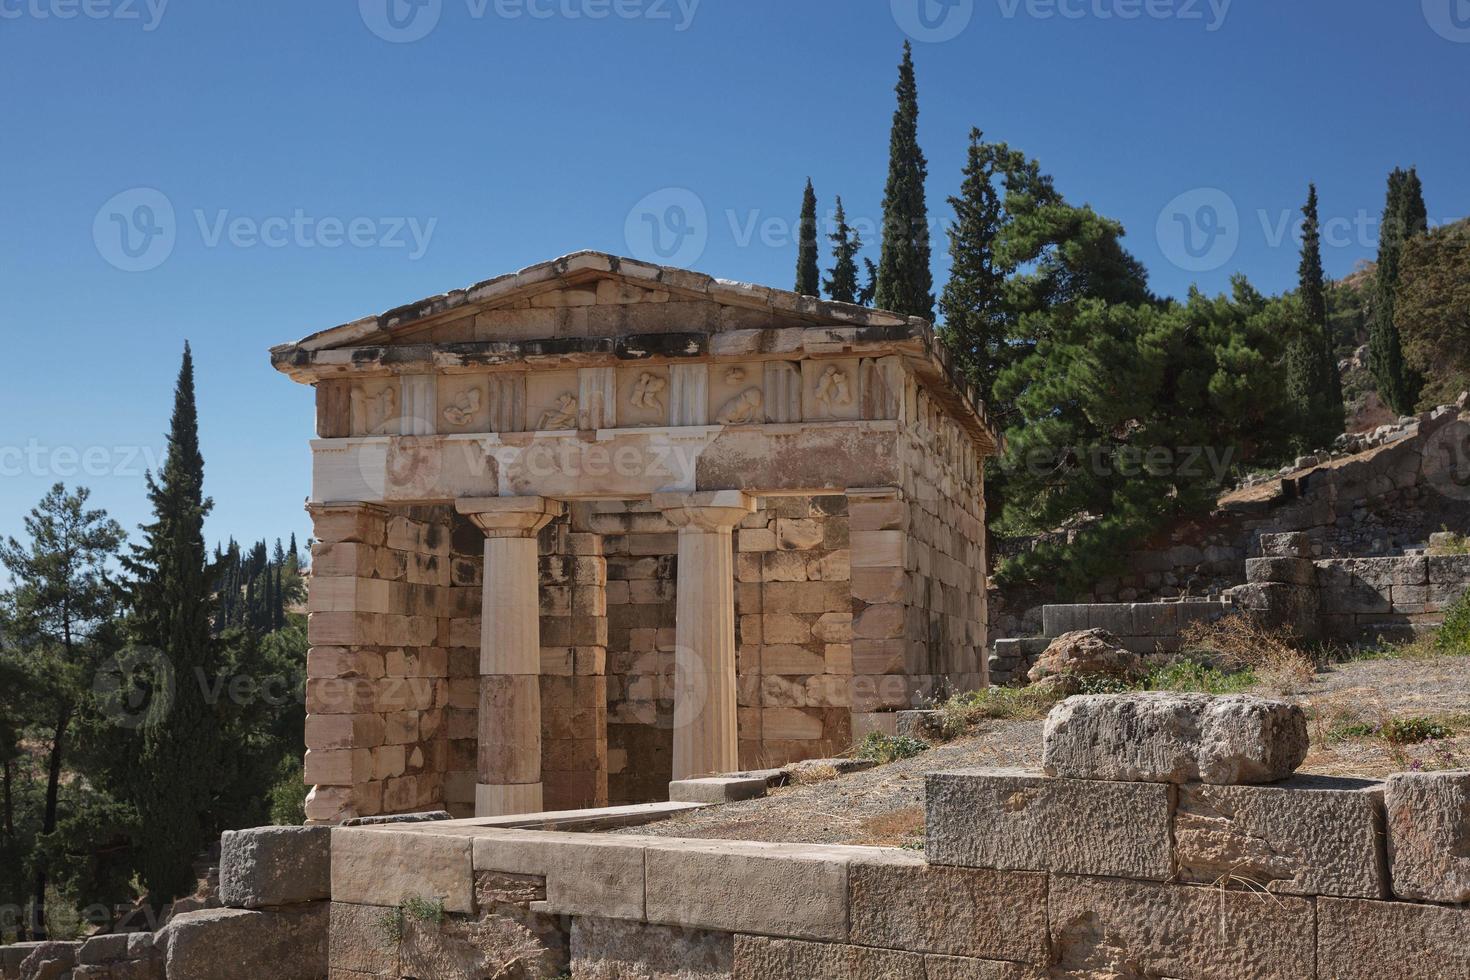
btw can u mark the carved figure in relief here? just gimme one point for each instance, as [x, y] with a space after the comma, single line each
[646, 392]
[384, 407]
[833, 389]
[743, 409]
[735, 375]
[466, 405]
[564, 416]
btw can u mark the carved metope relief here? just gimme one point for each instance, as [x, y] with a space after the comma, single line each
[744, 408]
[643, 393]
[829, 389]
[375, 409]
[465, 409]
[563, 416]
[648, 392]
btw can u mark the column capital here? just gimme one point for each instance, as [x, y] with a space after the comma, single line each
[510, 517]
[713, 510]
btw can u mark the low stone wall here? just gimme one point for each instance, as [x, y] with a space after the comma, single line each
[1146, 628]
[1024, 876]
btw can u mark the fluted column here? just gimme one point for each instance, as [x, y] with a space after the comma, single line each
[705, 731]
[509, 779]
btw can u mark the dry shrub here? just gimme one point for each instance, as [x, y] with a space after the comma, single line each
[811, 775]
[1239, 642]
[893, 828]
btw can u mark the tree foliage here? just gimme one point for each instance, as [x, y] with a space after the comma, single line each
[1313, 382]
[905, 282]
[808, 275]
[1404, 216]
[842, 280]
[1432, 310]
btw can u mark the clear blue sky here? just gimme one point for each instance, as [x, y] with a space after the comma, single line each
[517, 130]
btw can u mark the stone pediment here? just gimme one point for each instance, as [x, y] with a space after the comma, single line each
[590, 312]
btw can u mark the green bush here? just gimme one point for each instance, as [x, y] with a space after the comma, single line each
[884, 749]
[1412, 731]
[288, 795]
[1454, 635]
[1192, 675]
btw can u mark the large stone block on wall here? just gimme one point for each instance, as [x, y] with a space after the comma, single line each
[1292, 571]
[506, 942]
[386, 867]
[1429, 836]
[1292, 545]
[1174, 738]
[791, 890]
[587, 875]
[1010, 819]
[615, 949]
[269, 866]
[982, 914]
[226, 944]
[1310, 835]
[1117, 927]
[361, 941]
[1359, 940]
[760, 958]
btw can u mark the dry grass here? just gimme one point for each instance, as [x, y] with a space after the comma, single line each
[896, 828]
[812, 775]
[1240, 643]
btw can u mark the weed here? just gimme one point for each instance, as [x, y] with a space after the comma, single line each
[1273, 657]
[1194, 675]
[962, 712]
[393, 921]
[1454, 544]
[1413, 731]
[884, 749]
[1454, 636]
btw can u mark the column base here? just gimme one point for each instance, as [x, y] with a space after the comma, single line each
[507, 800]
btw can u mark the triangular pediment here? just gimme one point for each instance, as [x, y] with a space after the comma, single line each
[592, 294]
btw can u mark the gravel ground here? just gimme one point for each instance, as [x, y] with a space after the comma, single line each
[885, 806]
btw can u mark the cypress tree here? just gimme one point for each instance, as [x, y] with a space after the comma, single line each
[808, 275]
[1404, 216]
[1313, 382]
[905, 281]
[169, 594]
[973, 323]
[847, 242]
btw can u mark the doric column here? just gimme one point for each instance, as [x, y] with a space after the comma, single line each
[705, 730]
[509, 779]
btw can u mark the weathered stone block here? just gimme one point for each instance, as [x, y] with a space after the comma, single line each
[1010, 820]
[1113, 927]
[225, 944]
[759, 958]
[1310, 835]
[1292, 571]
[378, 867]
[792, 890]
[1293, 545]
[585, 875]
[1429, 835]
[906, 904]
[716, 789]
[1178, 738]
[509, 942]
[614, 949]
[269, 866]
[361, 940]
[1359, 940]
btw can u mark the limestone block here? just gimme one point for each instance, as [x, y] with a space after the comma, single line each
[878, 549]
[1310, 835]
[360, 941]
[1293, 545]
[590, 875]
[1009, 819]
[612, 949]
[385, 867]
[1178, 738]
[798, 534]
[984, 914]
[270, 866]
[1293, 571]
[1358, 940]
[225, 944]
[964, 968]
[1429, 835]
[46, 961]
[794, 890]
[716, 789]
[760, 958]
[1117, 927]
[508, 942]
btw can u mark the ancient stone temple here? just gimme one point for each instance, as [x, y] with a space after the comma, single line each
[599, 524]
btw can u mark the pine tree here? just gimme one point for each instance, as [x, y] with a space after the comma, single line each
[973, 323]
[847, 242]
[808, 275]
[1404, 216]
[1313, 382]
[905, 281]
[170, 597]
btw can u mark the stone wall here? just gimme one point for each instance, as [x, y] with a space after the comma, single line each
[1409, 482]
[1023, 876]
